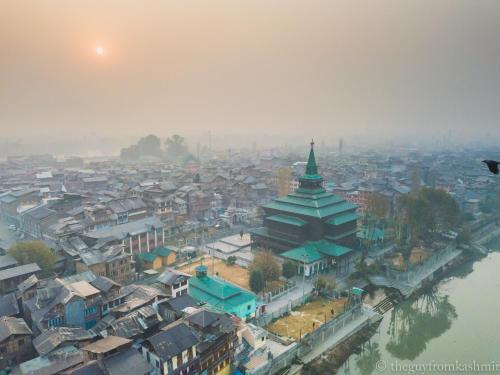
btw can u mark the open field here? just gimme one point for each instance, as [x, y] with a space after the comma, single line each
[304, 317]
[235, 274]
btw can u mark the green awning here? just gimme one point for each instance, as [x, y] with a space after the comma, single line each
[357, 291]
[373, 234]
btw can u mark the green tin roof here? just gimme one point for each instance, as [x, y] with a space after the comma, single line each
[219, 293]
[311, 252]
[148, 257]
[285, 219]
[373, 234]
[315, 201]
[344, 218]
[162, 251]
[303, 254]
[263, 232]
[357, 291]
[151, 256]
[321, 212]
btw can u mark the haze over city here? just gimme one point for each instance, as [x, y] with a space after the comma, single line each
[107, 73]
[249, 187]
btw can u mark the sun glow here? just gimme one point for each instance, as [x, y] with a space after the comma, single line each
[99, 51]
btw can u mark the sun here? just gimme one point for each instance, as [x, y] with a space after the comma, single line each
[99, 51]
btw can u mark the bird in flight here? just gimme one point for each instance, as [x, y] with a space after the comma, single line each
[492, 165]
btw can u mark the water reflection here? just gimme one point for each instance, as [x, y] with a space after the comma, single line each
[415, 322]
[367, 361]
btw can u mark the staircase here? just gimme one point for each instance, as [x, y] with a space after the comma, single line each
[384, 282]
[386, 304]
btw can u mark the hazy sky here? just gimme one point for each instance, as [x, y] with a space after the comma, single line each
[323, 68]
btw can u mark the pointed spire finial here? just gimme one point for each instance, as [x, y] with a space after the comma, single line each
[311, 168]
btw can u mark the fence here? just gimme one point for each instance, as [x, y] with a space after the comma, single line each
[310, 341]
[267, 318]
[271, 296]
[415, 270]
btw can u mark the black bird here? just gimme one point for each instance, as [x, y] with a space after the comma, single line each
[492, 165]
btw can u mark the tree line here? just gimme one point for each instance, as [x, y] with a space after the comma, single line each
[175, 149]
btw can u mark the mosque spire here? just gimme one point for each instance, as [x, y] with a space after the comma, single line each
[312, 167]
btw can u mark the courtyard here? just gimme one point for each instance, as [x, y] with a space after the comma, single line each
[232, 273]
[300, 321]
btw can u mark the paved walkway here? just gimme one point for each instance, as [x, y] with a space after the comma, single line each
[292, 295]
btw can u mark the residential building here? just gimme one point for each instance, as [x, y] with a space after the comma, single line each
[58, 337]
[61, 361]
[139, 236]
[158, 258]
[112, 262]
[10, 278]
[217, 340]
[222, 295]
[172, 351]
[63, 303]
[105, 347]
[175, 283]
[129, 362]
[15, 341]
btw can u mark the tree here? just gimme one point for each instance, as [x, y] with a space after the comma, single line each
[176, 147]
[257, 282]
[146, 146]
[324, 284]
[149, 145]
[415, 181]
[231, 260]
[377, 206]
[34, 252]
[267, 263]
[139, 264]
[289, 269]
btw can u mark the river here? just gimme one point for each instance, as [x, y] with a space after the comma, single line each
[456, 324]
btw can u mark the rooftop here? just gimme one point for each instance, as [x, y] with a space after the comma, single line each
[173, 341]
[311, 252]
[19, 271]
[107, 344]
[83, 289]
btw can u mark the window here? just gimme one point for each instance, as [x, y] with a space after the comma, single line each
[157, 364]
[20, 342]
[248, 307]
[90, 310]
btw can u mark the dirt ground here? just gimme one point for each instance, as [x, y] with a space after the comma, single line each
[305, 316]
[235, 274]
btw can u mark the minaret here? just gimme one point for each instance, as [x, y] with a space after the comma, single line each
[311, 180]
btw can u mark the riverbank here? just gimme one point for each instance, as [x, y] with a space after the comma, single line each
[337, 358]
[458, 284]
[331, 362]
